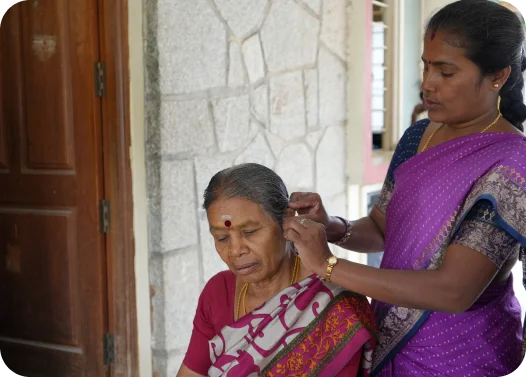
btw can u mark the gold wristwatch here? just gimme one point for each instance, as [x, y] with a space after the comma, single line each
[331, 262]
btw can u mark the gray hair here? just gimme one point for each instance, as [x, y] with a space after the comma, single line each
[253, 182]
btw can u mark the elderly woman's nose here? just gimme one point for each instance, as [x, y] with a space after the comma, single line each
[237, 247]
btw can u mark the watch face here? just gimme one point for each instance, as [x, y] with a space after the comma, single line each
[333, 260]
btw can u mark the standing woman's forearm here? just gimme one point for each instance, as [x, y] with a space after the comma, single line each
[452, 288]
[367, 233]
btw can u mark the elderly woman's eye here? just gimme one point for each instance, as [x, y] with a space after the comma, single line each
[249, 232]
[221, 238]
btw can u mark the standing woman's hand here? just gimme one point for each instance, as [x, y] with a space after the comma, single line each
[310, 205]
[310, 241]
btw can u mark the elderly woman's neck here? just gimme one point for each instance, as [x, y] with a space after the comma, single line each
[277, 282]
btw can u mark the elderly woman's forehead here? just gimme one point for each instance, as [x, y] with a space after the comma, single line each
[234, 206]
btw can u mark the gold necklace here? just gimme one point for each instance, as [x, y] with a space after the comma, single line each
[243, 293]
[442, 125]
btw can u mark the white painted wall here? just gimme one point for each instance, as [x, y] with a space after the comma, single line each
[138, 170]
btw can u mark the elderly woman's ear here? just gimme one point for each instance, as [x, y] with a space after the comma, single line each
[290, 212]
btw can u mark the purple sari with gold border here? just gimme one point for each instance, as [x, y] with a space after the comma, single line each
[311, 328]
[433, 193]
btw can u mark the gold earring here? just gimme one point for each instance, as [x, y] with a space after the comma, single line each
[498, 105]
[495, 85]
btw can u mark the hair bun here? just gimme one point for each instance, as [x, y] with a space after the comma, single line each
[523, 60]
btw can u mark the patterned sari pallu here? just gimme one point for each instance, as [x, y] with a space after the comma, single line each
[431, 195]
[309, 329]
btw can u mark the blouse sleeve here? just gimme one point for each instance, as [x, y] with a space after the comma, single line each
[480, 231]
[197, 356]
[385, 196]
[406, 148]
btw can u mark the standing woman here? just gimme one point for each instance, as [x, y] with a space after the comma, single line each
[452, 215]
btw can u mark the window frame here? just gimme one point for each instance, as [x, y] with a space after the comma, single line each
[393, 20]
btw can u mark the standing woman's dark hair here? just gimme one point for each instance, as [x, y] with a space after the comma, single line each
[493, 37]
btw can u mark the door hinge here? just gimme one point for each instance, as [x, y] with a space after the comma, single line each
[104, 209]
[100, 79]
[109, 349]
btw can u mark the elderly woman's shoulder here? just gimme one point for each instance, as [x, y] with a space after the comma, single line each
[222, 282]
[226, 276]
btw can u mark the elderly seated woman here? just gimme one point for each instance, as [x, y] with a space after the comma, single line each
[267, 315]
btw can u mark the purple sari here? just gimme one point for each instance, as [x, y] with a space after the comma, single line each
[434, 192]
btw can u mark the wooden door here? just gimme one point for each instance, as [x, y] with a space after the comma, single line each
[53, 294]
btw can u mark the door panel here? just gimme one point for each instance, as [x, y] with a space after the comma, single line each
[53, 291]
[47, 130]
[3, 137]
[48, 267]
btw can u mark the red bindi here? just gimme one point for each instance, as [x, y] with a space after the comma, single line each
[228, 224]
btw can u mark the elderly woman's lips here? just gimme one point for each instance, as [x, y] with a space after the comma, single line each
[245, 269]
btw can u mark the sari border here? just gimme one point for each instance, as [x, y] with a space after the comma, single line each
[378, 368]
[503, 173]
[507, 227]
[308, 330]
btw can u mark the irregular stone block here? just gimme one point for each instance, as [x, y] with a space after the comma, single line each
[287, 112]
[192, 47]
[289, 36]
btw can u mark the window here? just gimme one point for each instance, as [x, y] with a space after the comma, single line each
[384, 39]
[384, 74]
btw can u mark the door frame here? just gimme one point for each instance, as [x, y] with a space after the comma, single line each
[116, 135]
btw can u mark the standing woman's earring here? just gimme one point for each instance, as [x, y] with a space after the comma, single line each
[498, 100]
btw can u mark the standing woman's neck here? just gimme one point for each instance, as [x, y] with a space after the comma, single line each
[453, 131]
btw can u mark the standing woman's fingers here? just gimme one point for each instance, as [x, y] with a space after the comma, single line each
[299, 195]
[300, 205]
[302, 200]
[309, 239]
[294, 223]
[291, 235]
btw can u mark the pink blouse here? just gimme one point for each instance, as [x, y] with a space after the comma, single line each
[215, 310]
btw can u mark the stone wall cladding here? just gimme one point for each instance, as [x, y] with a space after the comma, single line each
[227, 82]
